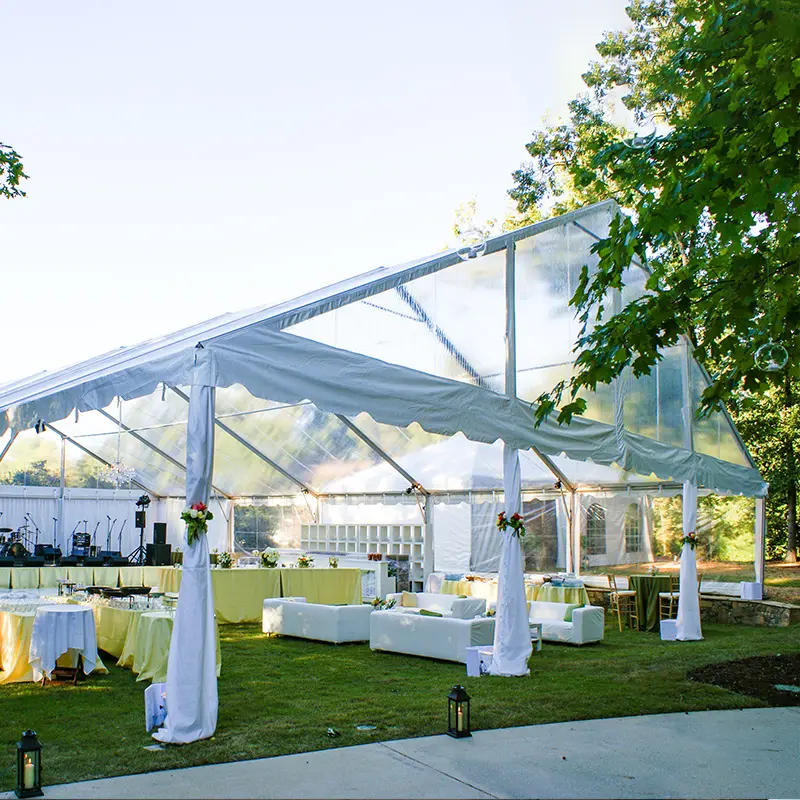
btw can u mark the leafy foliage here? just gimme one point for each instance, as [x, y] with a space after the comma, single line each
[11, 173]
[712, 202]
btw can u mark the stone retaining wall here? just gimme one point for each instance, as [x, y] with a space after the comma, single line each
[732, 610]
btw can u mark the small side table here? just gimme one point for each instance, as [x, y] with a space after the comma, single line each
[536, 635]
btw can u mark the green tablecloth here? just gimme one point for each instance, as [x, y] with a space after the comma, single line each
[647, 588]
[24, 577]
[547, 593]
[329, 586]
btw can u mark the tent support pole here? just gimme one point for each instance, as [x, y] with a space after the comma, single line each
[253, 449]
[427, 542]
[8, 445]
[381, 452]
[760, 539]
[101, 459]
[62, 483]
[154, 448]
[575, 533]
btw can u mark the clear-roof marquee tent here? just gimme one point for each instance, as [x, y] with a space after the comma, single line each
[353, 391]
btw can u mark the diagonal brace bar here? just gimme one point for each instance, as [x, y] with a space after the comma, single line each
[155, 448]
[381, 452]
[100, 459]
[253, 449]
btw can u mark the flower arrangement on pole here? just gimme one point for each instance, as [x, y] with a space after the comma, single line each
[690, 539]
[196, 518]
[514, 522]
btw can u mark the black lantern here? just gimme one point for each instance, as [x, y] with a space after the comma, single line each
[29, 766]
[458, 713]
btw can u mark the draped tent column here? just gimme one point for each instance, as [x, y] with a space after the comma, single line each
[512, 638]
[688, 623]
[192, 702]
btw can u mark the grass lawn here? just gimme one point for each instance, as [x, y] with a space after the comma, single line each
[279, 695]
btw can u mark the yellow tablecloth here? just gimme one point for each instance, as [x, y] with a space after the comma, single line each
[15, 642]
[24, 578]
[485, 589]
[146, 648]
[561, 594]
[50, 576]
[329, 586]
[82, 575]
[239, 593]
[113, 625]
[106, 576]
[130, 576]
[168, 580]
[5, 577]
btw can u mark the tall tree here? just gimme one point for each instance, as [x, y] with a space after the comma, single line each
[711, 187]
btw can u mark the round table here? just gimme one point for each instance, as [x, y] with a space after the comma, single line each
[647, 588]
[60, 629]
[548, 593]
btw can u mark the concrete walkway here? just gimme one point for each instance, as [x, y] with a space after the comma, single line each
[748, 753]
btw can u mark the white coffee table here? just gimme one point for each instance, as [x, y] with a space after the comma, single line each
[536, 634]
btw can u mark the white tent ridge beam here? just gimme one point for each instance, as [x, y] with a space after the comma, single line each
[156, 449]
[381, 452]
[344, 292]
[102, 460]
[253, 449]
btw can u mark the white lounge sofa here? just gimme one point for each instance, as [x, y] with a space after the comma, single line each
[587, 623]
[404, 629]
[294, 617]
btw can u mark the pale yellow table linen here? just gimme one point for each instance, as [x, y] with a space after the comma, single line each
[24, 577]
[169, 578]
[83, 576]
[328, 586]
[146, 649]
[5, 577]
[130, 576]
[15, 642]
[106, 576]
[239, 593]
[50, 576]
[112, 625]
[562, 594]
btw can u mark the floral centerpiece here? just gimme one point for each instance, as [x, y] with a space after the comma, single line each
[690, 539]
[333, 562]
[383, 605]
[304, 561]
[269, 558]
[196, 518]
[224, 560]
[515, 523]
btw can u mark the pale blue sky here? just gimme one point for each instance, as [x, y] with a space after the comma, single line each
[192, 158]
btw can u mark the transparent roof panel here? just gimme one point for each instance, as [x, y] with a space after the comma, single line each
[312, 445]
[450, 323]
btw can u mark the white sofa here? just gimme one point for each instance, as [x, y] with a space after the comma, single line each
[587, 622]
[294, 617]
[404, 630]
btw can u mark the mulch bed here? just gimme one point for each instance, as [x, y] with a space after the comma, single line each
[756, 677]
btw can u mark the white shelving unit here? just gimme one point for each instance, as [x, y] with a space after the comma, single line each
[388, 540]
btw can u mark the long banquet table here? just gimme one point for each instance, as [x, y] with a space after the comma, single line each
[533, 591]
[239, 594]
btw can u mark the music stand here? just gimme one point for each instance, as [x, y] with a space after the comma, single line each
[138, 555]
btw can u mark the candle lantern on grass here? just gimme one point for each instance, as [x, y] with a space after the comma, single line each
[29, 766]
[458, 721]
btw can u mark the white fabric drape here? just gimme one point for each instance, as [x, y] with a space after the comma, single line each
[192, 670]
[688, 623]
[512, 639]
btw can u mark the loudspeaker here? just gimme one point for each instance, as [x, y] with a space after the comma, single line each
[141, 520]
[159, 555]
[69, 561]
[159, 533]
[91, 561]
[34, 561]
[118, 561]
[6, 561]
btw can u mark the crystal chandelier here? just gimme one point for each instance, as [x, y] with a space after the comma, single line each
[118, 473]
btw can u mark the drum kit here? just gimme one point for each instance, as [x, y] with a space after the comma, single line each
[19, 543]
